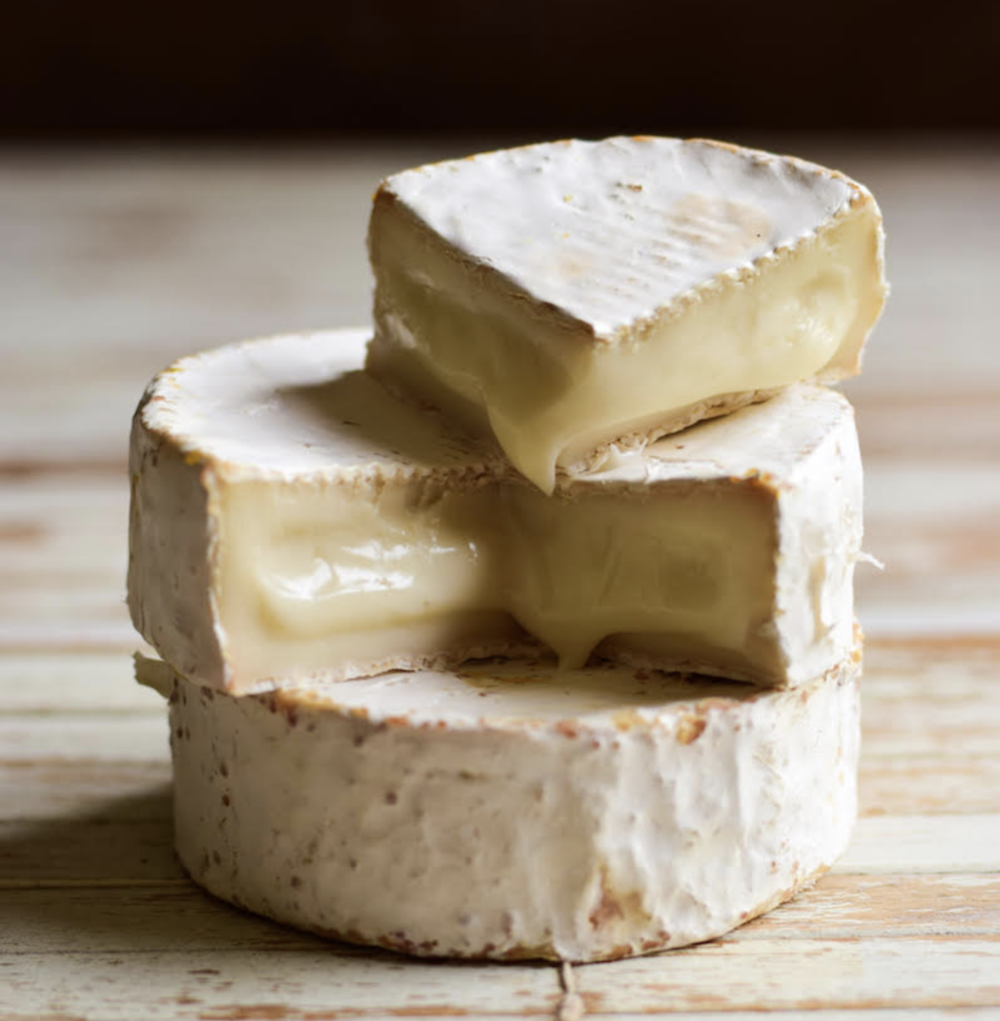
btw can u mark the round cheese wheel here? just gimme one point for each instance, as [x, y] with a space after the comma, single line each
[512, 810]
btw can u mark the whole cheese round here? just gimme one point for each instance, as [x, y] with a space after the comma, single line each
[514, 810]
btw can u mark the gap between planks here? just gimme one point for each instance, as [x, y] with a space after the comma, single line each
[721, 976]
[570, 1006]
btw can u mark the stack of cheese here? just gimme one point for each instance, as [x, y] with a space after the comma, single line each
[327, 547]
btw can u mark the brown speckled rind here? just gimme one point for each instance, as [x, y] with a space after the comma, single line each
[341, 791]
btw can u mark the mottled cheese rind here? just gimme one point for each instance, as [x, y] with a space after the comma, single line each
[605, 231]
[291, 519]
[512, 811]
[567, 295]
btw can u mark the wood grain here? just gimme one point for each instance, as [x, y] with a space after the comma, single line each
[918, 843]
[859, 906]
[801, 974]
[317, 982]
[122, 738]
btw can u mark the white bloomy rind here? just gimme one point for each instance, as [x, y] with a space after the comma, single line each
[512, 811]
[292, 519]
[571, 294]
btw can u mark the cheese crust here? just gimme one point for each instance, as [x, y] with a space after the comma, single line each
[511, 811]
[568, 295]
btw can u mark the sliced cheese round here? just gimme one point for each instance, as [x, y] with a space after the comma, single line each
[291, 518]
[514, 811]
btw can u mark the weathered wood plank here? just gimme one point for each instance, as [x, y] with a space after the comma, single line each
[917, 844]
[245, 1012]
[63, 555]
[90, 839]
[931, 696]
[928, 784]
[759, 974]
[959, 424]
[299, 983]
[933, 665]
[861, 907]
[121, 847]
[163, 917]
[75, 680]
[282, 1012]
[45, 513]
[177, 915]
[137, 737]
[933, 522]
[54, 790]
[814, 1014]
[160, 256]
[775, 974]
[916, 729]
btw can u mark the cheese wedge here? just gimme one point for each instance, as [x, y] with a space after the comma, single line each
[571, 294]
[510, 811]
[292, 519]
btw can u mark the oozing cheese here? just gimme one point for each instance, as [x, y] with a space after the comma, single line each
[290, 518]
[513, 811]
[571, 294]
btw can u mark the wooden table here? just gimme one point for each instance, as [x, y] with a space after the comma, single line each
[113, 264]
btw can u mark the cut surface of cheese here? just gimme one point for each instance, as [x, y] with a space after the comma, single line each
[510, 810]
[290, 519]
[570, 294]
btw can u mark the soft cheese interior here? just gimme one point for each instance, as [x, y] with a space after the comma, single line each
[667, 282]
[327, 575]
[338, 533]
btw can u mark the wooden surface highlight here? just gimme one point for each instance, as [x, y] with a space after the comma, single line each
[114, 266]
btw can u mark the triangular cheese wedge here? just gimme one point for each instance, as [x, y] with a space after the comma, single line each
[571, 294]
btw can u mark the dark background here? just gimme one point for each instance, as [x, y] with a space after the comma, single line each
[337, 70]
